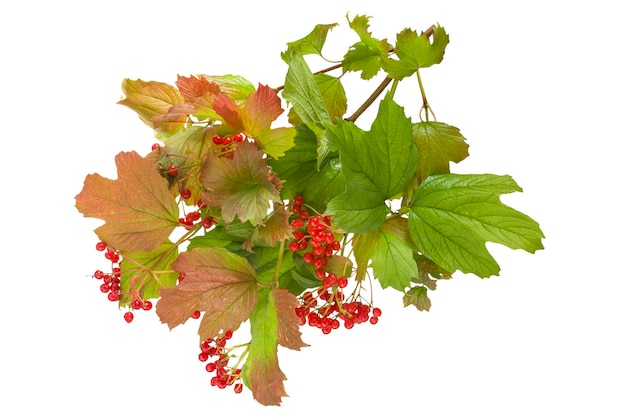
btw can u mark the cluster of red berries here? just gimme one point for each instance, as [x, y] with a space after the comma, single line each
[111, 282]
[314, 237]
[227, 141]
[225, 376]
[334, 309]
[192, 217]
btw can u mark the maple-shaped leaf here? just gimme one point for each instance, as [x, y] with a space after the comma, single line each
[377, 165]
[277, 227]
[149, 99]
[366, 55]
[138, 209]
[272, 322]
[418, 297]
[218, 282]
[452, 216]
[261, 109]
[438, 144]
[145, 273]
[416, 51]
[242, 186]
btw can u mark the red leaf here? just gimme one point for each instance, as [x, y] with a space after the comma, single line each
[193, 88]
[138, 209]
[261, 109]
[229, 111]
[289, 334]
[218, 282]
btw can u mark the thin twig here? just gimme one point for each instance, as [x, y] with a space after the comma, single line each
[369, 100]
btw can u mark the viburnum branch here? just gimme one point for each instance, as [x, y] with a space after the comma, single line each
[370, 100]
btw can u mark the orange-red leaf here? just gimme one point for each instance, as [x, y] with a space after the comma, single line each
[277, 227]
[229, 111]
[193, 88]
[138, 209]
[218, 282]
[261, 109]
[289, 334]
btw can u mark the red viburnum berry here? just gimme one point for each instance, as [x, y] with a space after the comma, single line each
[129, 316]
[146, 305]
[238, 137]
[101, 246]
[185, 193]
[218, 140]
[172, 170]
[155, 146]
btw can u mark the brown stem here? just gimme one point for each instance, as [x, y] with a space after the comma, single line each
[369, 100]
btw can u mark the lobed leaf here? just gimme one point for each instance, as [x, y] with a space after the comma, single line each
[220, 283]
[138, 209]
[416, 51]
[368, 54]
[377, 165]
[241, 186]
[311, 43]
[452, 216]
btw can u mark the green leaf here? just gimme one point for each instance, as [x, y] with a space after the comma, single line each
[218, 282]
[302, 92]
[261, 372]
[418, 297]
[333, 94]
[275, 142]
[438, 144]
[391, 252]
[416, 51]
[452, 216]
[230, 236]
[264, 259]
[145, 273]
[311, 44]
[366, 55]
[377, 165]
[241, 186]
[234, 86]
[298, 168]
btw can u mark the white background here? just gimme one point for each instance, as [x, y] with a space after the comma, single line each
[537, 88]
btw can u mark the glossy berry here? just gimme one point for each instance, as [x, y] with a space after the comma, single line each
[172, 170]
[101, 246]
[185, 193]
[218, 140]
[237, 137]
[129, 316]
[155, 146]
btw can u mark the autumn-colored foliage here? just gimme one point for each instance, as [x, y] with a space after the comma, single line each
[232, 220]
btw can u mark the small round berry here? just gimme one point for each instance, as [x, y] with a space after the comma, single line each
[185, 193]
[195, 315]
[172, 170]
[146, 305]
[218, 140]
[129, 316]
[237, 137]
[293, 246]
[155, 146]
[101, 246]
[298, 200]
[376, 312]
[136, 304]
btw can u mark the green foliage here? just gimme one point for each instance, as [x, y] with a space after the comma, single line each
[233, 220]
